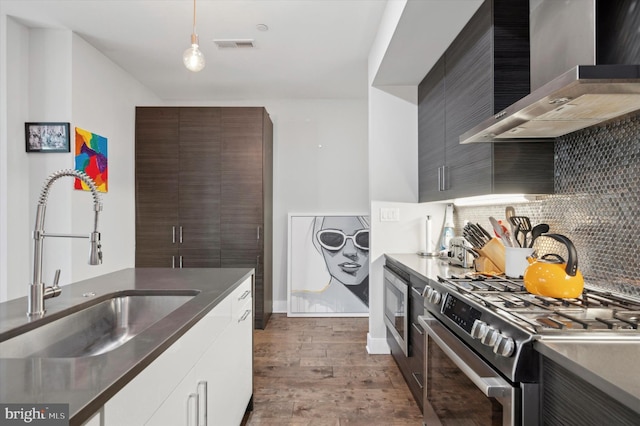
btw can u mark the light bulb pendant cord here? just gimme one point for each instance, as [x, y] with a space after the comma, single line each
[193, 58]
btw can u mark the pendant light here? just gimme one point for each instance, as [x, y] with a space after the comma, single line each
[192, 57]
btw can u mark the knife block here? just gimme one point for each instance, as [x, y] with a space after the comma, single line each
[492, 257]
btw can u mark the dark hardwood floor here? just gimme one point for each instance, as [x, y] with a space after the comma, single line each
[316, 371]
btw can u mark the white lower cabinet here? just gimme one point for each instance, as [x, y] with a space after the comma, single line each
[230, 372]
[203, 379]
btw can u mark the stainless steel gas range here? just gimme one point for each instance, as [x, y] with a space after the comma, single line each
[481, 365]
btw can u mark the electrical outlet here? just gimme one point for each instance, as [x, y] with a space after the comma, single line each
[388, 214]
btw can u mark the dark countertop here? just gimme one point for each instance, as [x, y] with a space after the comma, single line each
[609, 365]
[428, 268]
[86, 383]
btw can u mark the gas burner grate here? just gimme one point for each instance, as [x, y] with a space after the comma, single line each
[593, 310]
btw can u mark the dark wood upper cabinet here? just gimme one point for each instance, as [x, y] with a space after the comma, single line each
[204, 191]
[485, 69]
[431, 149]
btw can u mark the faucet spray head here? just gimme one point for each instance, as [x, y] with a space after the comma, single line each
[95, 252]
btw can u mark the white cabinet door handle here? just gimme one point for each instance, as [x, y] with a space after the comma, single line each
[244, 295]
[245, 315]
[192, 409]
[202, 403]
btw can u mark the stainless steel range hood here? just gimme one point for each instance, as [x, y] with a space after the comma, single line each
[582, 97]
[564, 33]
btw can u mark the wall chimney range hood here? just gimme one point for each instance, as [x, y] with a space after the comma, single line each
[583, 96]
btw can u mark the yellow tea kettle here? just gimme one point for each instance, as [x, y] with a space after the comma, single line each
[551, 276]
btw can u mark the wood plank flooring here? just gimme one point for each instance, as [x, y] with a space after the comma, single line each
[316, 371]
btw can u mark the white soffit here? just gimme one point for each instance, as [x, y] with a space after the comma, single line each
[425, 30]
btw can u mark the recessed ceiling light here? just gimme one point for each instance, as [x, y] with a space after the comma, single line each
[262, 27]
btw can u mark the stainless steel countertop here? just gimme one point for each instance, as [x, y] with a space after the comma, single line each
[610, 366]
[87, 383]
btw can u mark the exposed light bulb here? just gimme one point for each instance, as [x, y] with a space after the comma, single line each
[193, 58]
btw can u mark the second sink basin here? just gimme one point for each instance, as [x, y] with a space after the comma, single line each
[96, 329]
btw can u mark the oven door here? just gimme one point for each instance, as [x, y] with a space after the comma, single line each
[396, 300]
[460, 388]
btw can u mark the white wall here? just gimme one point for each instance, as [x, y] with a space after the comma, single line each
[49, 61]
[68, 81]
[319, 166]
[14, 231]
[393, 169]
[4, 187]
[104, 101]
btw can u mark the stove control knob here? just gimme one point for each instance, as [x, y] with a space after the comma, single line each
[504, 346]
[490, 337]
[479, 329]
[434, 297]
[427, 292]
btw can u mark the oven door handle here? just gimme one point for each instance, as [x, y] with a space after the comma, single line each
[488, 381]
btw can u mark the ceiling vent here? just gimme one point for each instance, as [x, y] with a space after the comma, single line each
[234, 43]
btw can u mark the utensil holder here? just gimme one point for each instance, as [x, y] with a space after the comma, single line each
[516, 261]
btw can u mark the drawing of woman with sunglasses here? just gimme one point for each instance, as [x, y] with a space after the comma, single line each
[343, 241]
[329, 265]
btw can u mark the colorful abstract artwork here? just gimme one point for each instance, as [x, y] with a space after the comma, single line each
[91, 158]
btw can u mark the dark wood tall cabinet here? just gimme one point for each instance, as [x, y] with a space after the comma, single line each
[204, 191]
[484, 70]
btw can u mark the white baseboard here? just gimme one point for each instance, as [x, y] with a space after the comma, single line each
[377, 345]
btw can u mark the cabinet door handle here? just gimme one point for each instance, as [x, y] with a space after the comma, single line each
[415, 377]
[181, 235]
[173, 235]
[173, 262]
[245, 315]
[416, 291]
[192, 409]
[244, 295]
[180, 262]
[202, 403]
[418, 329]
[258, 233]
[440, 178]
[445, 181]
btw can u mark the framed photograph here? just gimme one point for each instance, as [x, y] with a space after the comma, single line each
[328, 259]
[47, 137]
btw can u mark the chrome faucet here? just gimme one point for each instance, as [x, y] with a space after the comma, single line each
[37, 291]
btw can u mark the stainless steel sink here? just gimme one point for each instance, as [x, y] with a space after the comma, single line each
[96, 329]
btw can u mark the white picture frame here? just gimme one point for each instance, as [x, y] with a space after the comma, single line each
[328, 265]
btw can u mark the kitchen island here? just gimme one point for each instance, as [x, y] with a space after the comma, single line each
[88, 383]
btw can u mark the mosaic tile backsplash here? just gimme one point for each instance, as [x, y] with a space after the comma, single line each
[596, 204]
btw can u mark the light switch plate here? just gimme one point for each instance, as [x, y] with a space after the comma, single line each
[389, 214]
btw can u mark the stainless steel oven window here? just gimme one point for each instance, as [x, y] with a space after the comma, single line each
[460, 388]
[396, 300]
